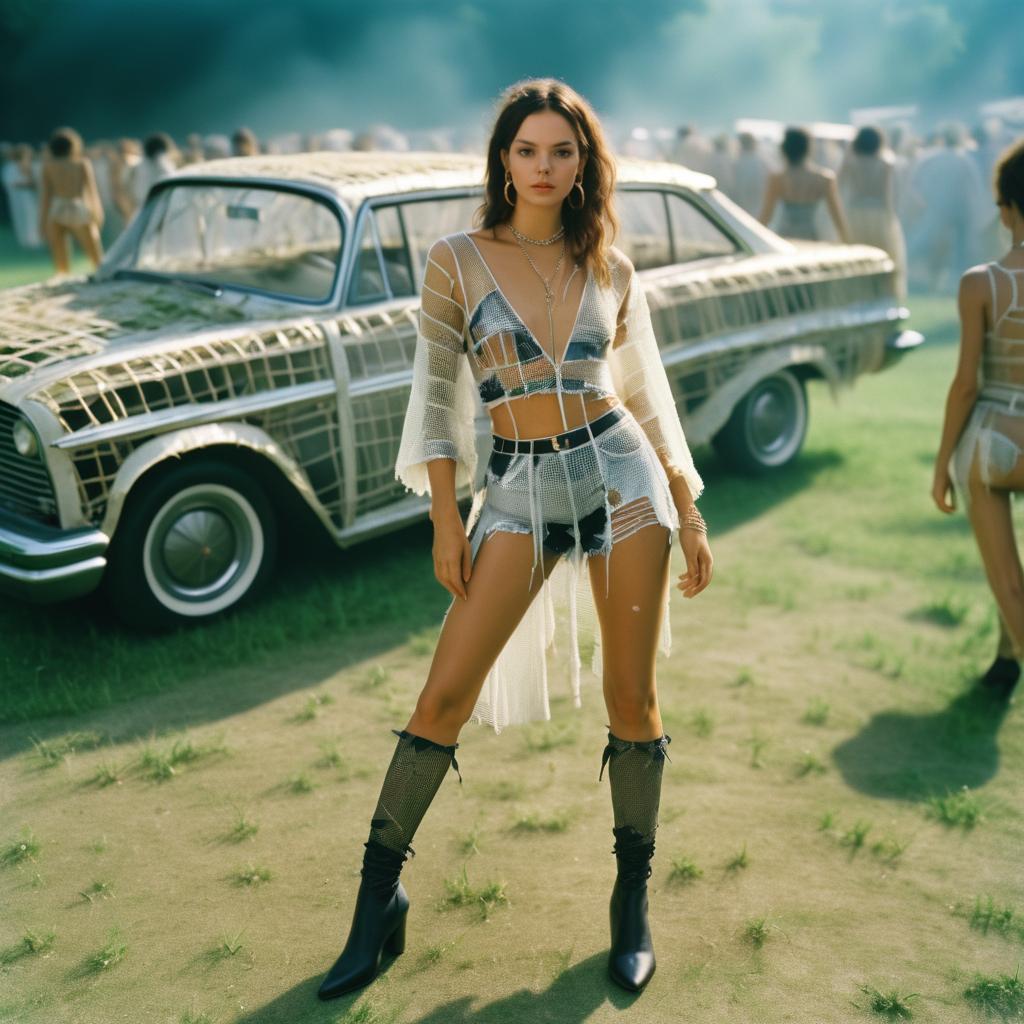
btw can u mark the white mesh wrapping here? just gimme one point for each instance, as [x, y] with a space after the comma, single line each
[439, 419]
[642, 384]
[482, 352]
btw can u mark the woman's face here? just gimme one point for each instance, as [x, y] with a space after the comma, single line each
[544, 152]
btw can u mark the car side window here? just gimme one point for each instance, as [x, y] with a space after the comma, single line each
[382, 269]
[394, 242]
[644, 235]
[695, 236]
[428, 220]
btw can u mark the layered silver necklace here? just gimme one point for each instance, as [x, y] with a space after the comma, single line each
[549, 297]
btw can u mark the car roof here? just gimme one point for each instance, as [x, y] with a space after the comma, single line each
[355, 176]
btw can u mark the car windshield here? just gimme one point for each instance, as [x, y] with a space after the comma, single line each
[255, 238]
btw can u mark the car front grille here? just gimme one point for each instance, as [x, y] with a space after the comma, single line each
[25, 486]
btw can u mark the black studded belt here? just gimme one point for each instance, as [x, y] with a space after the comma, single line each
[559, 442]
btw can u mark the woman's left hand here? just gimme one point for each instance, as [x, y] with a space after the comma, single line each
[699, 562]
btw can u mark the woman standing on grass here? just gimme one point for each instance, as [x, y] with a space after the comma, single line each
[70, 202]
[539, 317]
[983, 433]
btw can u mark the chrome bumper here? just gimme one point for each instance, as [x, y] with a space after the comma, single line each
[899, 345]
[42, 563]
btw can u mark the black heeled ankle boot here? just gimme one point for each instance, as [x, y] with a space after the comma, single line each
[378, 922]
[631, 960]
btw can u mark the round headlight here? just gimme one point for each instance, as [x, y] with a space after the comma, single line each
[25, 440]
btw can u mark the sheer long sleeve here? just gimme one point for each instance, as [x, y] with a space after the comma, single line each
[642, 385]
[442, 403]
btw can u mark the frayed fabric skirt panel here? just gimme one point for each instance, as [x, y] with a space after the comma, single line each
[994, 436]
[576, 503]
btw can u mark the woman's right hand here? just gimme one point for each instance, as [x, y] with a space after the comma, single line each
[943, 493]
[453, 556]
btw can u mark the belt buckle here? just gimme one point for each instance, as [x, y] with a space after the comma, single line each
[555, 444]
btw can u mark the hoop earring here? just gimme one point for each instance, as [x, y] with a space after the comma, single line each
[508, 181]
[583, 195]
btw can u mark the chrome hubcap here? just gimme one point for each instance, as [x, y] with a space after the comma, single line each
[199, 548]
[774, 419]
[203, 549]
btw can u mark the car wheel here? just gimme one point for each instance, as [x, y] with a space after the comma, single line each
[767, 428]
[192, 543]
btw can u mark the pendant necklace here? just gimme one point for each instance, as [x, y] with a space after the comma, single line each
[548, 295]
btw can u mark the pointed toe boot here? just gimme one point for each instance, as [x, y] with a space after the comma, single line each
[631, 960]
[378, 924]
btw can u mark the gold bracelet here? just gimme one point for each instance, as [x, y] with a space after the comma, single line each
[693, 520]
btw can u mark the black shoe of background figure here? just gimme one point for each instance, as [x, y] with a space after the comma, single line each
[1001, 677]
[631, 960]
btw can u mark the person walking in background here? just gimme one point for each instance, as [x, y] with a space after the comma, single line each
[126, 154]
[867, 187]
[720, 163]
[193, 152]
[798, 190]
[159, 159]
[942, 243]
[69, 202]
[244, 143]
[982, 444]
[749, 175]
[19, 184]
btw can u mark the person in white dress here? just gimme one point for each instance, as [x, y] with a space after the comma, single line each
[749, 175]
[159, 160]
[20, 184]
[954, 204]
[867, 186]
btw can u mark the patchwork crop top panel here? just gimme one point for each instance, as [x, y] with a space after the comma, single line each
[482, 351]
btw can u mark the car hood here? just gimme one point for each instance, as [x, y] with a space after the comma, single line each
[59, 322]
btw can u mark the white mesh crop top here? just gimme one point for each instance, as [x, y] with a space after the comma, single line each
[483, 350]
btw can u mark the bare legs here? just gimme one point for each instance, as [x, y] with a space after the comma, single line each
[87, 236]
[474, 632]
[991, 519]
[630, 618]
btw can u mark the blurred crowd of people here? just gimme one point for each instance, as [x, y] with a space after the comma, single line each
[927, 201]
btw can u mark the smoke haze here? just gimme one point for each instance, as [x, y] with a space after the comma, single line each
[113, 67]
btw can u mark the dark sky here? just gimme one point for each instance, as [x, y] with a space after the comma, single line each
[112, 67]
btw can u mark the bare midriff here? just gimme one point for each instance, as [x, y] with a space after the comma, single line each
[535, 416]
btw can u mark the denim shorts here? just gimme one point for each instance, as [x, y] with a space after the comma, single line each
[585, 491]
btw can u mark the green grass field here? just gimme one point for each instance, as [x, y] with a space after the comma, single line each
[842, 821]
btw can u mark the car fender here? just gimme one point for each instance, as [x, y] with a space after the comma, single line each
[178, 443]
[706, 421]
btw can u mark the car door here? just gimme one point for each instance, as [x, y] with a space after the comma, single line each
[379, 328]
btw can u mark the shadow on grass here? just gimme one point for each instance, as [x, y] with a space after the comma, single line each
[346, 606]
[571, 998]
[912, 757]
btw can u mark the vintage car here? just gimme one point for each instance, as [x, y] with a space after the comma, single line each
[247, 344]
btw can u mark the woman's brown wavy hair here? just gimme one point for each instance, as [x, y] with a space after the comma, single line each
[588, 231]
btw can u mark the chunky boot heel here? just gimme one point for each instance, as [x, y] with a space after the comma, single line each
[631, 960]
[396, 940]
[378, 923]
